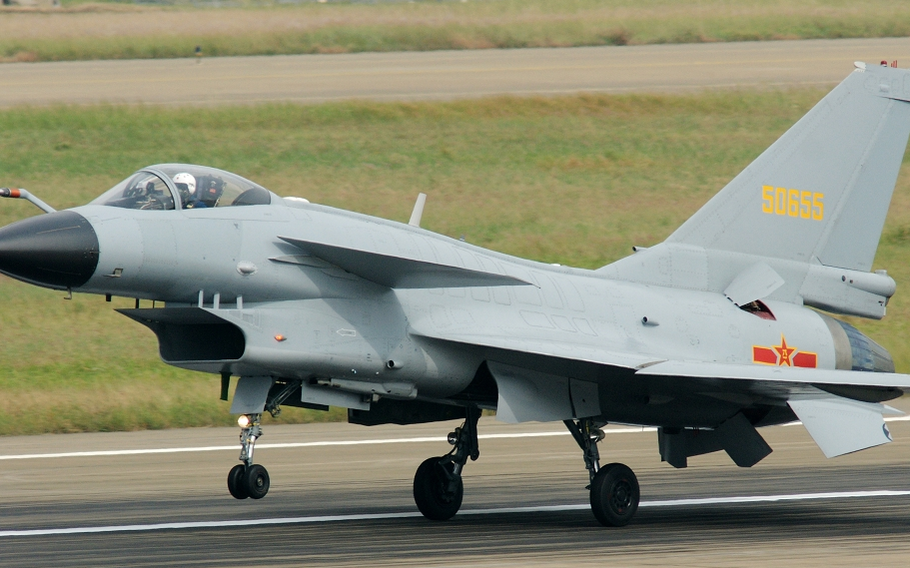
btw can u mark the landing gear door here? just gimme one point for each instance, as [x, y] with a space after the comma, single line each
[526, 395]
[251, 394]
[585, 398]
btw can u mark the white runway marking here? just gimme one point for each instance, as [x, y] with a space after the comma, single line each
[412, 514]
[236, 447]
[436, 439]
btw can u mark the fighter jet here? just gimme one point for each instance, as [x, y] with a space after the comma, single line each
[727, 326]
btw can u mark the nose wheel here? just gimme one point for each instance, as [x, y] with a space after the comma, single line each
[244, 481]
[236, 482]
[248, 479]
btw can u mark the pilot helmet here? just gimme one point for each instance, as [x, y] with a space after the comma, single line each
[186, 185]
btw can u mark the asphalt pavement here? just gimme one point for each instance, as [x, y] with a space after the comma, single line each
[341, 496]
[444, 75]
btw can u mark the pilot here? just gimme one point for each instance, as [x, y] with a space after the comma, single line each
[186, 187]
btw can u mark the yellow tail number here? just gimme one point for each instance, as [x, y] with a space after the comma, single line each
[792, 203]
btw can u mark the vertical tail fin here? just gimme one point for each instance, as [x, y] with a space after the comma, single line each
[802, 222]
[821, 192]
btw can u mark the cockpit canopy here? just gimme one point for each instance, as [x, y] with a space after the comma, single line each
[185, 186]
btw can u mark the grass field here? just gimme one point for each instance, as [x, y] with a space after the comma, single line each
[575, 180]
[121, 30]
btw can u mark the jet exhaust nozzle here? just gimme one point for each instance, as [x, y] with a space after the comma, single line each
[57, 250]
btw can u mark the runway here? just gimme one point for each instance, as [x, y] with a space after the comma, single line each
[344, 499]
[439, 75]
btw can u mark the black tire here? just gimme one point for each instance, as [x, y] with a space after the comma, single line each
[431, 490]
[235, 481]
[256, 481]
[614, 495]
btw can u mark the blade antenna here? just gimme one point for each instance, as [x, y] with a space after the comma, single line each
[417, 213]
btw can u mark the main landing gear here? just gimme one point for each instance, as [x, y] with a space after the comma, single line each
[248, 479]
[614, 488]
[438, 488]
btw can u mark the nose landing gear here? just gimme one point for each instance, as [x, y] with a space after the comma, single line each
[248, 479]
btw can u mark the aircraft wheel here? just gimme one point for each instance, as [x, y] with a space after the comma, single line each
[256, 481]
[432, 492]
[235, 481]
[614, 495]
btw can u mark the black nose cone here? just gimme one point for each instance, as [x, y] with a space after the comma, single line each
[57, 250]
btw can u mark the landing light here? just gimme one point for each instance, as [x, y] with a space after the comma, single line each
[244, 421]
[279, 338]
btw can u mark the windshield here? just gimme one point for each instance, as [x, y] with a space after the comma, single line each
[143, 190]
[192, 187]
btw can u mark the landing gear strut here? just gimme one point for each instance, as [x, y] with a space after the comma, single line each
[438, 487]
[248, 479]
[614, 488]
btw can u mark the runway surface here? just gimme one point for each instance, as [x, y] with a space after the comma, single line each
[444, 74]
[341, 496]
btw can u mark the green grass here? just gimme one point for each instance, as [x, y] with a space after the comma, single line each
[576, 180]
[123, 31]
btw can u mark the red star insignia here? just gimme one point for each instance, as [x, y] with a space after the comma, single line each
[784, 352]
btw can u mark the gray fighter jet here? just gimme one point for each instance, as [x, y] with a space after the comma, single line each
[721, 329]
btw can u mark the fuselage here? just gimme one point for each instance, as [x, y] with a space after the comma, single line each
[237, 296]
